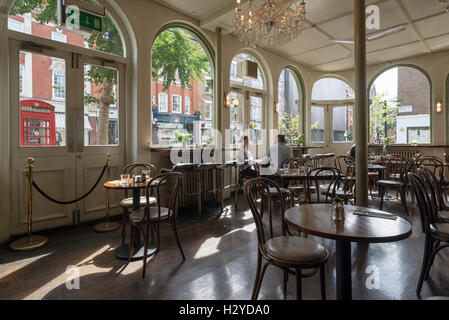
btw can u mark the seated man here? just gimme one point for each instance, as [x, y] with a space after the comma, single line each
[244, 156]
[277, 153]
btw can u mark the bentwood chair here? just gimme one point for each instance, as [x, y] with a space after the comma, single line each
[345, 187]
[397, 172]
[298, 187]
[292, 254]
[127, 202]
[323, 182]
[436, 231]
[151, 216]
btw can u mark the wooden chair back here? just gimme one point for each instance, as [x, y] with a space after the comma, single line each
[257, 192]
[317, 184]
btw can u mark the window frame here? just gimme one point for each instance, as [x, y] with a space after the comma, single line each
[162, 94]
[187, 105]
[55, 87]
[173, 103]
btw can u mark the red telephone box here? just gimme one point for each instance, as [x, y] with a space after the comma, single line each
[37, 123]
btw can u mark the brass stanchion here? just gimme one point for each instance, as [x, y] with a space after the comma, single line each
[108, 225]
[29, 242]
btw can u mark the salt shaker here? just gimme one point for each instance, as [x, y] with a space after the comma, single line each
[338, 210]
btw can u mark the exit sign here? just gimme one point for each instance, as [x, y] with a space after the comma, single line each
[91, 21]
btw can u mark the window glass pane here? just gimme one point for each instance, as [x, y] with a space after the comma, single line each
[176, 104]
[400, 107]
[186, 76]
[342, 124]
[255, 117]
[42, 113]
[290, 104]
[236, 109]
[101, 109]
[238, 72]
[39, 18]
[317, 129]
[331, 89]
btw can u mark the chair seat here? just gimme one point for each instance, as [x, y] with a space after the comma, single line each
[338, 193]
[128, 202]
[138, 215]
[390, 183]
[296, 249]
[395, 176]
[441, 229]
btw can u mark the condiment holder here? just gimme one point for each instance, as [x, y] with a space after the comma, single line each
[338, 210]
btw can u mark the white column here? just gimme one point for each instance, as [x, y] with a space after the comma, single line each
[4, 125]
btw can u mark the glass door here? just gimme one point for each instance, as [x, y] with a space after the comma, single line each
[42, 100]
[101, 131]
[342, 129]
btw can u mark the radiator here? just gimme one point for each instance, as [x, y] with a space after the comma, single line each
[404, 153]
[189, 185]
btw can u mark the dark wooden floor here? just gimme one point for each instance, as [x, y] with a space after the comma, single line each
[221, 260]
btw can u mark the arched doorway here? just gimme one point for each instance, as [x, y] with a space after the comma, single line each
[67, 111]
[331, 115]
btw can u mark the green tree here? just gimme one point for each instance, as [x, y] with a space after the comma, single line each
[45, 11]
[383, 115]
[175, 56]
[290, 127]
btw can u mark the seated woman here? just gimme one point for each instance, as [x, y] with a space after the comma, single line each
[245, 157]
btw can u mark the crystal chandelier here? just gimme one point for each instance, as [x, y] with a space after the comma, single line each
[270, 22]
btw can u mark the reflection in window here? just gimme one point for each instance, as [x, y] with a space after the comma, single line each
[187, 105]
[400, 107]
[342, 124]
[317, 128]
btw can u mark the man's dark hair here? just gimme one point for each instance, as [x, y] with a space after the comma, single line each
[245, 138]
[281, 138]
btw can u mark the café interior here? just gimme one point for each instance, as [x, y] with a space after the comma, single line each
[224, 149]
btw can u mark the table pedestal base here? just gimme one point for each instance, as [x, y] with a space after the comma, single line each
[344, 279]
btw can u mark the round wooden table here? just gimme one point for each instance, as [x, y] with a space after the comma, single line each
[122, 252]
[315, 219]
[294, 175]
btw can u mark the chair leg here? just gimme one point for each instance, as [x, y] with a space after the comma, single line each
[285, 283]
[323, 281]
[259, 283]
[175, 232]
[404, 200]
[270, 217]
[298, 285]
[382, 194]
[145, 249]
[131, 242]
[427, 250]
[124, 220]
[199, 191]
[436, 249]
[256, 280]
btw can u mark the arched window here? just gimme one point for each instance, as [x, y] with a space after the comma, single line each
[183, 70]
[400, 102]
[44, 78]
[247, 98]
[290, 106]
[39, 18]
[332, 109]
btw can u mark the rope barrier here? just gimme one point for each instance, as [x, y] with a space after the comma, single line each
[76, 200]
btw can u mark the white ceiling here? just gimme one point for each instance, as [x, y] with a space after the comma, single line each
[426, 30]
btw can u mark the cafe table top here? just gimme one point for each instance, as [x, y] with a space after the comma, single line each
[294, 174]
[315, 219]
[117, 185]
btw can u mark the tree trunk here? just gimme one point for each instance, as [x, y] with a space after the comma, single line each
[103, 116]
